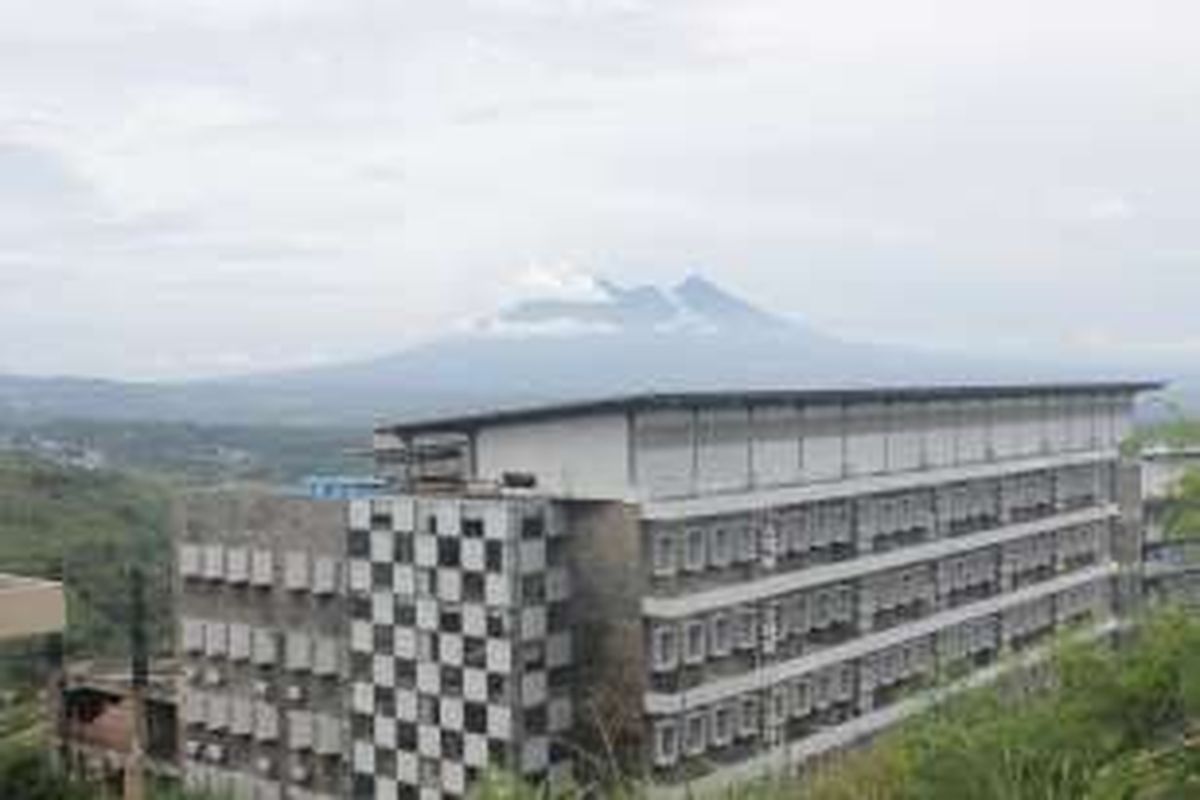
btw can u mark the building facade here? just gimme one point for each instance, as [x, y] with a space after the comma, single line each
[262, 626]
[703, 588]
[1172, 563]
[771, 576]
[460, 649]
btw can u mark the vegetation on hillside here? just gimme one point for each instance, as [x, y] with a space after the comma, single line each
[85, 528]
[1112, 724]
[1176, 430]
[1182, 515]
[204, 453]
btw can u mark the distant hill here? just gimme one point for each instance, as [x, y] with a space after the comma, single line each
[611, 340]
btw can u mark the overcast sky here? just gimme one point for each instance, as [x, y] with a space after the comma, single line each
[204, 186]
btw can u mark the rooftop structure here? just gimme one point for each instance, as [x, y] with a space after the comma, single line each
[30, 607]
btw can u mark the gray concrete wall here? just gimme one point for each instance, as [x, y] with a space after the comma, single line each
[297, 532]
[607, 587]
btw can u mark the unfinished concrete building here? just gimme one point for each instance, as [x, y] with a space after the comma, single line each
[261, 640]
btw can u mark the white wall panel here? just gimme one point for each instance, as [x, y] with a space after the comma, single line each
[865, 442]
[971, 440]
[776, 445]
[1058, 431]
[214, 562]
[664, 452]
[723, 439]
[1031, 431]
[295, 573]
[939, 439]
[1080, 422]
[586, 456]
[1123, 418]
[1006, 426]
[1102, 421]
[821, 443]
[907, 424]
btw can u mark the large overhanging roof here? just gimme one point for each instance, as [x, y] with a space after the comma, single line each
[465, 423]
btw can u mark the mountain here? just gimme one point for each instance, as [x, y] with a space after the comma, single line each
[606, 340]
[695, 303]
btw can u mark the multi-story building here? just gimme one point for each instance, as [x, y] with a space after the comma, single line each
[743, 580]
[701, 588]
[261, 639]
[1172, 561]
[461, 653]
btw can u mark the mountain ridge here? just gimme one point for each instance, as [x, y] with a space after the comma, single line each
[693, 336]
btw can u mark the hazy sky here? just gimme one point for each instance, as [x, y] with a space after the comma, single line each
[203, 186]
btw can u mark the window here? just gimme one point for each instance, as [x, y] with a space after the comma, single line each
[697, 734]
[427, 709]
[695, 642]
[404, 548]
[770, 624]
[665, 645]
[666, 743]
[497, 624]
[801, 704]
[696, 547]
[664, 553]
[845, 604]
[721, 547]
[427, 646]
[533, 589]
[475, 717]
[533, 526]
[722, 725]
[779, 705]
[721, 640]
[533, 655]
[451, 682]
[448, 552]
[381, 577]
[748, 726]
[747, 544]
[472, 528]
[770, 546]
[427, 582]
[450, 620]
[796, 534]
[494, 556]
[359, 544]
[497, 687]
[824, 609]
[747, 628]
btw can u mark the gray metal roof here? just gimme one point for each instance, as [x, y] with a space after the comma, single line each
[736, 398]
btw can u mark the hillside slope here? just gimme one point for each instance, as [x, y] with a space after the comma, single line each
[87, 528]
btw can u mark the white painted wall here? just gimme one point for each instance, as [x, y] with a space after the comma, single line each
[582, 457]
[939, 440]
[682, 452]
[908, 424]
[723, 442]
[865, 431]
[971, 434]
[664, 453]
[776, 446]
[822, 443]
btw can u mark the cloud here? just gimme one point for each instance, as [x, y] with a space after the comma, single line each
[191, 179]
